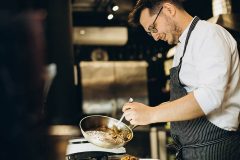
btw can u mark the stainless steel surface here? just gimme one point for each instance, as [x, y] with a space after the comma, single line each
[106, 86]
[120, 120]
[91, 129]
[100, 36]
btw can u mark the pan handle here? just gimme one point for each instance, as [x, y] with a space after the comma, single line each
[132, 126]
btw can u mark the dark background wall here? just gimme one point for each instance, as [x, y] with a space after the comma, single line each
[61, 107]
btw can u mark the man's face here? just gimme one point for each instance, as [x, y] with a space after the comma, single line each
[160, 26]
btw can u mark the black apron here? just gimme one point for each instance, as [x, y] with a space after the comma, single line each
[199, 139]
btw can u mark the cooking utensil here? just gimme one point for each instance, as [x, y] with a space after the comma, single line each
[99, 130]
[129, 101]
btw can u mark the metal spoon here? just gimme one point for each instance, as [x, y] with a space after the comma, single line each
[129, 101]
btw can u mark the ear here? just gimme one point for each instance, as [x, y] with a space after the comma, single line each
[170, 9]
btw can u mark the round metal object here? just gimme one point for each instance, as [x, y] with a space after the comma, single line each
[102, 131]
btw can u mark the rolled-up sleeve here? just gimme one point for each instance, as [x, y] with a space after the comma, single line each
[213, 70]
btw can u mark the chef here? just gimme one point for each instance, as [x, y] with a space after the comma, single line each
[204, 83]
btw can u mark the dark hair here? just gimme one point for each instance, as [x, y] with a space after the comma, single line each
[153, 5]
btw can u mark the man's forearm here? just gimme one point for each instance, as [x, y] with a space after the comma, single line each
[185, 108]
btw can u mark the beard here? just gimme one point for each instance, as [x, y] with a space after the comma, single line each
[173, 32]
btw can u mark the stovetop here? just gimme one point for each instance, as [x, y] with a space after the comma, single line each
[94, 156]
[80, 149]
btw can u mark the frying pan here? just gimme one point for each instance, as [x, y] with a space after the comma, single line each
[103, 132]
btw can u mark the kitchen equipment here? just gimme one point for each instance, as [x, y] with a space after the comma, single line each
[129, 101]
[120, 120]
[100, 130]
[81, 149]
[106, 85]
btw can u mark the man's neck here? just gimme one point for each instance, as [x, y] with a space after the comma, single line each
[184, 20]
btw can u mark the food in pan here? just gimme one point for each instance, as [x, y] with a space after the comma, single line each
[110, 135]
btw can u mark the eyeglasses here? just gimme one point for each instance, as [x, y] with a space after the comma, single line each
[152, 28]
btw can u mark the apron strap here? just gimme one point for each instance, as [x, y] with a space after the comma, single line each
[191, 28]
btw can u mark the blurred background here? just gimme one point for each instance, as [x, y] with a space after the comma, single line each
[62, 60]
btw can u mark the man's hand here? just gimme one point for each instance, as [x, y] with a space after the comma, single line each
[138, 113]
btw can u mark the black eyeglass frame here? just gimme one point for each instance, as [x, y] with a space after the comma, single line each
[152, 28]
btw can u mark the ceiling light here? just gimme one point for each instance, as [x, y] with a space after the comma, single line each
[115, 8]
[110, 16]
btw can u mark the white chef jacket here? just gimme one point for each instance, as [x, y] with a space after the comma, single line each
[210, 68]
